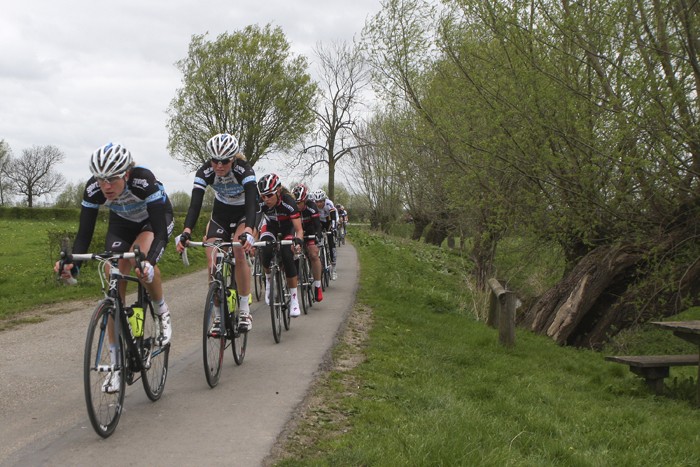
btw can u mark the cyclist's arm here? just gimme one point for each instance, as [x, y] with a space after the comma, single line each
[156, 216]
[195, 208]
[88, 219]
[316, 225]
[251, 204]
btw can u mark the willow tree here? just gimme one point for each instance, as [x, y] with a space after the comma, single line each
[247, 83]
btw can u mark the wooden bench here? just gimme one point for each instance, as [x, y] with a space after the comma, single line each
[654, 368]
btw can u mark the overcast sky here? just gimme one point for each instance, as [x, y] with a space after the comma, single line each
[80, 73]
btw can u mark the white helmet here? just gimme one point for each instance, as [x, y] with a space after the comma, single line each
[222, 145]
[318, 195]
[110, 160]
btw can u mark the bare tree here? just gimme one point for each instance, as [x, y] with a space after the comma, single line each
[33, 174]
[5, 155]
[343, 77]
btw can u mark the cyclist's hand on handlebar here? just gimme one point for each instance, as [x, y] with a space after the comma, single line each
[68, 274]
[298, 242]
[247, 241]
[181, 241]
[146, 272]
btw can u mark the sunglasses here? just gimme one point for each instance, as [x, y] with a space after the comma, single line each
[267, 195]
[221, 161]
[110, 180]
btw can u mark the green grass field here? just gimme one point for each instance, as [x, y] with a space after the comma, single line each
[435, 388]
[27, 257]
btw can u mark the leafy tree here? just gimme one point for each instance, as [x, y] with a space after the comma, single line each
[246, 83]
[71, 196]
[33, 174]
[180, 200]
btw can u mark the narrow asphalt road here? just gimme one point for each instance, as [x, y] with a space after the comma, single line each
[42, 406]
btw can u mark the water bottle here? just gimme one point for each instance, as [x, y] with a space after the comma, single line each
[135, 314]
[231, 299]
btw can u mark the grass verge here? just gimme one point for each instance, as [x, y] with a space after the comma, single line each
[430, 385]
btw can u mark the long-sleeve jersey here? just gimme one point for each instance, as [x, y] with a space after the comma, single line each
[236, 188]
[143, 199]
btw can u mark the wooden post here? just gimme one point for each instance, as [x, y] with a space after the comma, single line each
[494, 302]
[506, 320]
[502, 312]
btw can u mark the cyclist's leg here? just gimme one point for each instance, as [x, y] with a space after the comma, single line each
[290, 271]
[315, 261]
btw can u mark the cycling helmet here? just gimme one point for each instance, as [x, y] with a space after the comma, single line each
[300, 192]
[319, 195]
[110, 160]
[222, 145]
[268, 184]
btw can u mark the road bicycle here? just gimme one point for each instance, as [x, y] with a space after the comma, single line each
[279, 292]
[222, 323]
[131, 333]
[342, 232]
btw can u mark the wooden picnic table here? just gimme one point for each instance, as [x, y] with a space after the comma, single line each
[688, 331]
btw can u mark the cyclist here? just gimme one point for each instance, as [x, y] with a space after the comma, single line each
[140, 214]
[310, 220]
[232, 178]
[342, 219]
[329, 222]
[281, 217]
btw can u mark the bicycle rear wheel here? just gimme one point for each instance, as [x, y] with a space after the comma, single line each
[213, 337]
[276, 306]
[104, 408]
[154, 358]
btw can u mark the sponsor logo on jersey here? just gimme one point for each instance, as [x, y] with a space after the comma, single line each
[140, 182]
[92, 189]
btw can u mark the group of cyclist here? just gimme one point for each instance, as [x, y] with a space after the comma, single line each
[245, 210]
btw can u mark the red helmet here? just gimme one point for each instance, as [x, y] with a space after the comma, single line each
[268, 184]
[300, 192]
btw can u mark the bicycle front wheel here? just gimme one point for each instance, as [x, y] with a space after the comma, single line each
[103, 375]
[276, 306]
[213, 335]
[154, 358]
[239, 339]
[286, 302]
[258, 276]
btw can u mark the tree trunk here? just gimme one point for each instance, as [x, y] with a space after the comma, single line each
[419, 225]
[572, 307]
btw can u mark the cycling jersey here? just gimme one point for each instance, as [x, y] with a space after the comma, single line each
[143, 205]
[237, 188]
[328, 212]
[279, 217]
[310, 220]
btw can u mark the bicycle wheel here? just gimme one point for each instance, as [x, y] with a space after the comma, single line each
[213, 337]
[276, 306]
[258, 276]
[286, 302]
[154, 358]
[325, 269]
[239, 340]
[303, 284]
[104, 408]
[309, 283]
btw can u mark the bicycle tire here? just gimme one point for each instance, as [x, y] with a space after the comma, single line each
[310, 292]
[275, 307]
[239, 339]
[213, 345]
[325, 269]
[104, 409]
[286, 301]
[258, 276]
[303, 284]
[154, 358]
